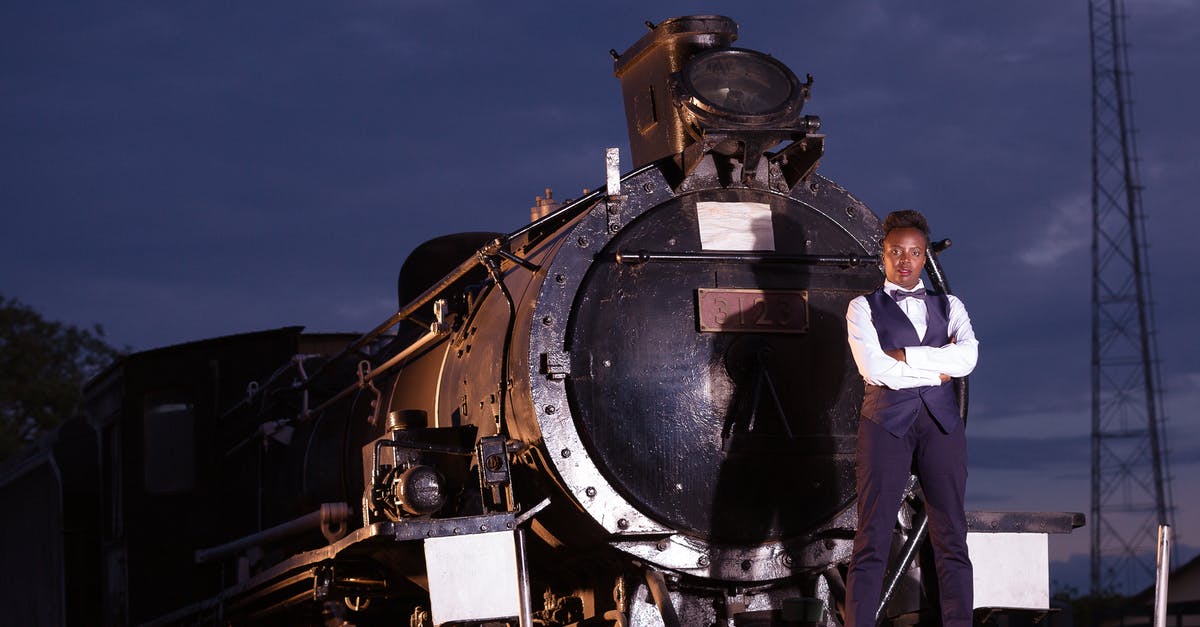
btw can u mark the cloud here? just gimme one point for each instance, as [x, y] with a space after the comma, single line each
[1065, 230]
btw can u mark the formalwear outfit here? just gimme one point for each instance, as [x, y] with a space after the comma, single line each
[908, 416]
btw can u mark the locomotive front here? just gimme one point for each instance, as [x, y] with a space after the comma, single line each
[670, 351]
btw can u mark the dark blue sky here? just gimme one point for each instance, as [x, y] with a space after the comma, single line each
[175, 171]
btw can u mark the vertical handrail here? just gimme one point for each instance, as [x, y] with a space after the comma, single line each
[1162, 575]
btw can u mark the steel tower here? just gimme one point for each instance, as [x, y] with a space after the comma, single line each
[1131, 492]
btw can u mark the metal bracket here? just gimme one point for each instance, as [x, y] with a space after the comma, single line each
[556, 365]
[493, 460]
[614, 200]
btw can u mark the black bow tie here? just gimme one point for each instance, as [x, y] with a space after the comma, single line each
[900, 295]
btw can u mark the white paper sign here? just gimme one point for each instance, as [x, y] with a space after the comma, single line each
[459, 589]
[735, 226]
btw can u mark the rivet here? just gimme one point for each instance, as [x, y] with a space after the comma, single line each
[703, 561]
[746, 564]
[590, 491]
[548, 320]
[560, 279]
[663, 544]
[850, 213]
[566, 452]
[622, 523]
[483, 527]
[550, 409]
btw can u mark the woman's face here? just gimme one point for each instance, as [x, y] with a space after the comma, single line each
[904, 256]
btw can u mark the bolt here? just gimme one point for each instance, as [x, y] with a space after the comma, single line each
[622, 523]
[614, 209]
[812, 187]
[483, 527]
[850, 213]
[566, 452]
[560, 279]
[582, 241]
[663, 544]
[457, 531]
[787, 560]
[647, 187]
[746, 564]
[613, 228]
[548, 320]
[591, 492]
[703, 561]
[829, 544]
[550, 409]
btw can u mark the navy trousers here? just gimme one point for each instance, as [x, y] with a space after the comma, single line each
[882, 472]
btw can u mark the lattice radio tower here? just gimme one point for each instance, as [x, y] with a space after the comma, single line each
[1131, 492]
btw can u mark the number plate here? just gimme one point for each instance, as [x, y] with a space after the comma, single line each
[751, 311]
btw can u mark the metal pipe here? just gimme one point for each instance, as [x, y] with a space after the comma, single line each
[1162, 575]
[937, 277]
[642, 256]
[457, 273]
[406, 311]
[418, 345]
[493, 268]
[525, 618]
[934, 266]
[906, 556]
[662, 598]
[329, 514]
[562, 213]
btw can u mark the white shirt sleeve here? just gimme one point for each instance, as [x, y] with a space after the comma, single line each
[873, 364]
[957, 358]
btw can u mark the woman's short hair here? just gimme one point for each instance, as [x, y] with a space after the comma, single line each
[905, 218]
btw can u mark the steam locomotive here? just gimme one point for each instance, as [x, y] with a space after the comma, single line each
[637, 410]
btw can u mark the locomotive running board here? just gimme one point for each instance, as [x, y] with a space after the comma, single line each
[312, 575]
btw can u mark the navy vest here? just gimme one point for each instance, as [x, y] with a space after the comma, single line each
[896, 410]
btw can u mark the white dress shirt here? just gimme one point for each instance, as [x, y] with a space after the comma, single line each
[924, 363]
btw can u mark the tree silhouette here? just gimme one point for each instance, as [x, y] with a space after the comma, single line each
[43, 365]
